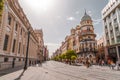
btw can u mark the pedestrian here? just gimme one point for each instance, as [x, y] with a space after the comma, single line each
[118, 64]
[87, 63]
[109, 62]
[103, 63]
[112, 64]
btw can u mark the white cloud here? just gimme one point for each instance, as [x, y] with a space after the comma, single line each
[77, 12]
[71, 18]
[90, 13]
[58, 17]
[97, 21]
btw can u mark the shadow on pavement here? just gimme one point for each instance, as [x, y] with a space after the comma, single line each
[19, 77]
[10, 70]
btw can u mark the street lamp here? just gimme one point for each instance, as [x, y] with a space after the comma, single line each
[26, 59]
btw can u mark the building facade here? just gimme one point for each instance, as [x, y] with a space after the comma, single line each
[88, 43]
[14, 37]
[40, 51]
[111, 21]
[102, 49]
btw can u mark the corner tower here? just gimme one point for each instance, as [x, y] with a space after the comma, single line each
[87, 42]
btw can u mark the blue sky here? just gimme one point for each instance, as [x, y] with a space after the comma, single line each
[57, 17]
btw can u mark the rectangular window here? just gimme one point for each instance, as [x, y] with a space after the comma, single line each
[23, 49]
[9, 20]
[19, 47]
[21, 31]
[5, 59]
[6, 42]
[14, 42]
[118, 39]
[16, 26]
[115, 20]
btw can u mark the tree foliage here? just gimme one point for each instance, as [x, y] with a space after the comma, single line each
[70, 55]
[1, 5]
[73, 58]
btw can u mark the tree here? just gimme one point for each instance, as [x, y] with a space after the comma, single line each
[1, 6]
[73, 58]
[69, 54]
[63, 56]
[1, 9]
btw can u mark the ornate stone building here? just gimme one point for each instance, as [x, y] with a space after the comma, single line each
[14, 37]
[88, 44]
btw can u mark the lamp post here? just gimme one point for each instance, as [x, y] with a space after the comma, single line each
[26, 59]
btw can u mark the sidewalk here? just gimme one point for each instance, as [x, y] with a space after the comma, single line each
[59, 71]
[10, 70]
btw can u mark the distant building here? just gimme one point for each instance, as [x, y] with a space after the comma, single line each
[102, 50]
[111, 20]
[39, 35]
[45, 53]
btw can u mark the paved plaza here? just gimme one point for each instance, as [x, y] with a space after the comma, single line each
[52, 70]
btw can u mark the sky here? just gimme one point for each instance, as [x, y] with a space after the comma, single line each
[57, 17]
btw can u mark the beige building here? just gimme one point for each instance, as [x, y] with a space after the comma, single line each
[111, 21]
[88, 43]
[39, 34]
[14, 36]
[102, 49]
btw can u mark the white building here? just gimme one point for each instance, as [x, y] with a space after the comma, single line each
[111, 20]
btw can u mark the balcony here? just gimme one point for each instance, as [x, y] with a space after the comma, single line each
[107, 37]
[106, 31]
[117, 33]
[116, 25]
[105, 23]
[118, 39]
[112, 36]
[114, 16]
[111, 28]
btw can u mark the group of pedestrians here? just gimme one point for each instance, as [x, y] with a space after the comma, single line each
[110, 63]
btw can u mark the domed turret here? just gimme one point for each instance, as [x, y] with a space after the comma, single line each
[86, 17]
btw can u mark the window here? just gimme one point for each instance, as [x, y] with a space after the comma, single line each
[5, 59]
[23, 49]
[88, 28]
[6, 42]
[118, 39]
[19, 59]
[115, 20]
[16, 26]
[9, 20]
[110, 24]
[14, 42]
[89, 37]
[21, 31]
[19, 47]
